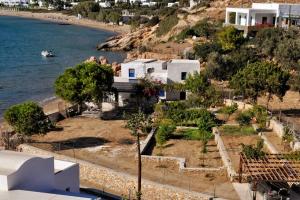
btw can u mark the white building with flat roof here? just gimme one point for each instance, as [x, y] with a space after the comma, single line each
[24, 176]
[11, 3]
[165, 72]
[262, 15]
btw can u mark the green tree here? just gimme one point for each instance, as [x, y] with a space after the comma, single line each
[260, 78]
[86, 82]
[203, 93]
[136, 123]
[229, 38]
[27, 118]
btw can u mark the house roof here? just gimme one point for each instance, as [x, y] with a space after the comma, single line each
[183, 61]
[14, 160]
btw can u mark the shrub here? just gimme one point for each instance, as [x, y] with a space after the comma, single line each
[254, 152]
[206, 121]
[27, 118]
[203, 50]
[229, 110]
[244, 118]
[261, 115]
[204, 29]
[164, 132]
[196, 134]
[166, 25]
[230, 38]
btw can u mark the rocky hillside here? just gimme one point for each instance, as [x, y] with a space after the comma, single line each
[147, 37]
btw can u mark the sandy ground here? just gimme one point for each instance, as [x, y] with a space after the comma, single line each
[277, 142]
[69, 19]
[291, 100]
[109, 144]
[193, 155]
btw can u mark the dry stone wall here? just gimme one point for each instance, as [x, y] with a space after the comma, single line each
[121, 183]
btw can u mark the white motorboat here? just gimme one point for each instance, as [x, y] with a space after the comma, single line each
[46, 53]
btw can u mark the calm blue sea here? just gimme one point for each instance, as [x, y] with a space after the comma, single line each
[24, 73]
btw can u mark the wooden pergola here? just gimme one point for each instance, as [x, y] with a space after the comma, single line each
[272, 168]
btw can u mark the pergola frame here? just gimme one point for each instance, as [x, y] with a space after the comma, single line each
[270, 168]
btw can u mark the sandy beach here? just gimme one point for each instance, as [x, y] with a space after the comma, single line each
[67, 19]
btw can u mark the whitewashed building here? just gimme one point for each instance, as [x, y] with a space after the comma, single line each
[262, 15]
[24, 176]
[165, 72]
[11, 3]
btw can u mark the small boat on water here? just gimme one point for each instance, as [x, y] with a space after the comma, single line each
[46, 53]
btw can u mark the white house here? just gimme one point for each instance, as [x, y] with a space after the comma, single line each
[263, 15]
[24, 176]
[164, 72]
[11, 3]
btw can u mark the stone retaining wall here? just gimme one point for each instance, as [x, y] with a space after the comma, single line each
[224, 155]
[121, 183]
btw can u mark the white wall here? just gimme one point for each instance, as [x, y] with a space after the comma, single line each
[273, 6]
[138, 66]
[176, 68]
[34, 175]
[68, 178]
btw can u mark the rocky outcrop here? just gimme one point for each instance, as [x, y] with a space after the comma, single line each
[129, 41]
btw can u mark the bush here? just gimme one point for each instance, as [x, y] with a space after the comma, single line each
[230, 38]
[229, 110]
[244, 118]
[261, 115]
[27, 118]
[166, 25]
[196, 134]
[254, 152]
[204, 29]
[206, 121]
[164, 132]
[203, 50]
[153, 21]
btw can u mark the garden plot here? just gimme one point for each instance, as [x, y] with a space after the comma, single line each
[233, 138]
[191, 148]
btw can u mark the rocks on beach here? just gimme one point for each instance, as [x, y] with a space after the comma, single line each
[104, 61]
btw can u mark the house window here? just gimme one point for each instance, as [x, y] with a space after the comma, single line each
[182, 95]
[131, 73]
[68, 189]
[164, 67]
[161, 93]
[183, 75]
[150, 70]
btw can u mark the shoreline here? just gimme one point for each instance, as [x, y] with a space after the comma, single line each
[67, 19]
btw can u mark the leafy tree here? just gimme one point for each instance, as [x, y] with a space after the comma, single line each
[85, 7]
[136, 123]
[254, 152]
[267, 40]
[244, 118]
[206, 121]
[203, 93]
[27, 118]
[153, 21]
[114, 17]
[164, 132]
[229, 38]
[260, 78]
[260, 114]
[86, 82]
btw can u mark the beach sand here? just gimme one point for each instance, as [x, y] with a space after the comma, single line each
[66, 19]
